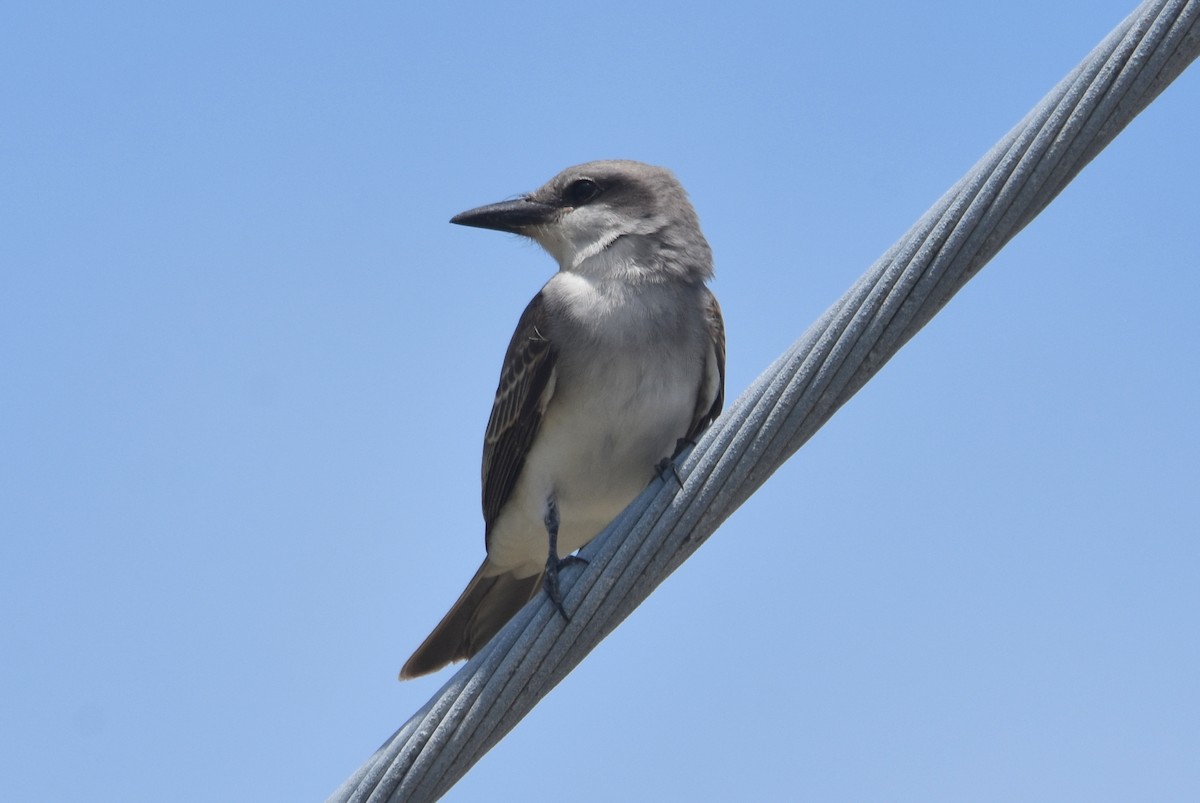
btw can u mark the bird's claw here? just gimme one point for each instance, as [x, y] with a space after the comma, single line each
[665, 464]
[552, 584]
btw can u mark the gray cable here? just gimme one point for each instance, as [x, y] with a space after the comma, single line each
[786, 405]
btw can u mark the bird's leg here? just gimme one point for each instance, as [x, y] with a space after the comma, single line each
[554, 563]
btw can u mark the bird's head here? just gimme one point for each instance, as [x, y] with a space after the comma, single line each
[608, 218]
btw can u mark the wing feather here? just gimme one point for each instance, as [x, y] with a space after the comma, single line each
[711, 398]
[526, 385]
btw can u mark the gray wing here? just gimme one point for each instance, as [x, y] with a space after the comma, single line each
[712, 386]
[526, 385]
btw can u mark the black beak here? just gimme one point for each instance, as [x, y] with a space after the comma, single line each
[511, 216]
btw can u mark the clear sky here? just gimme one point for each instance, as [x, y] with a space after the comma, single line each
[246, 367]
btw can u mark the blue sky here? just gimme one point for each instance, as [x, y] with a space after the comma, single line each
[242, 422]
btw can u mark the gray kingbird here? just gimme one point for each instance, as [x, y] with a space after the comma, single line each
[615, 364]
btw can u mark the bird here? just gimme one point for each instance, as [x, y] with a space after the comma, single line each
[616, 365]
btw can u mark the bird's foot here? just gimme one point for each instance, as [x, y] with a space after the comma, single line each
[552, 584]
[680, 445]
[668, 464]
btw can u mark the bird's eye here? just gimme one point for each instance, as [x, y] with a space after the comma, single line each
[580, 191]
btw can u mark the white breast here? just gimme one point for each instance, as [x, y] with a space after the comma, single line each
[628, 373]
